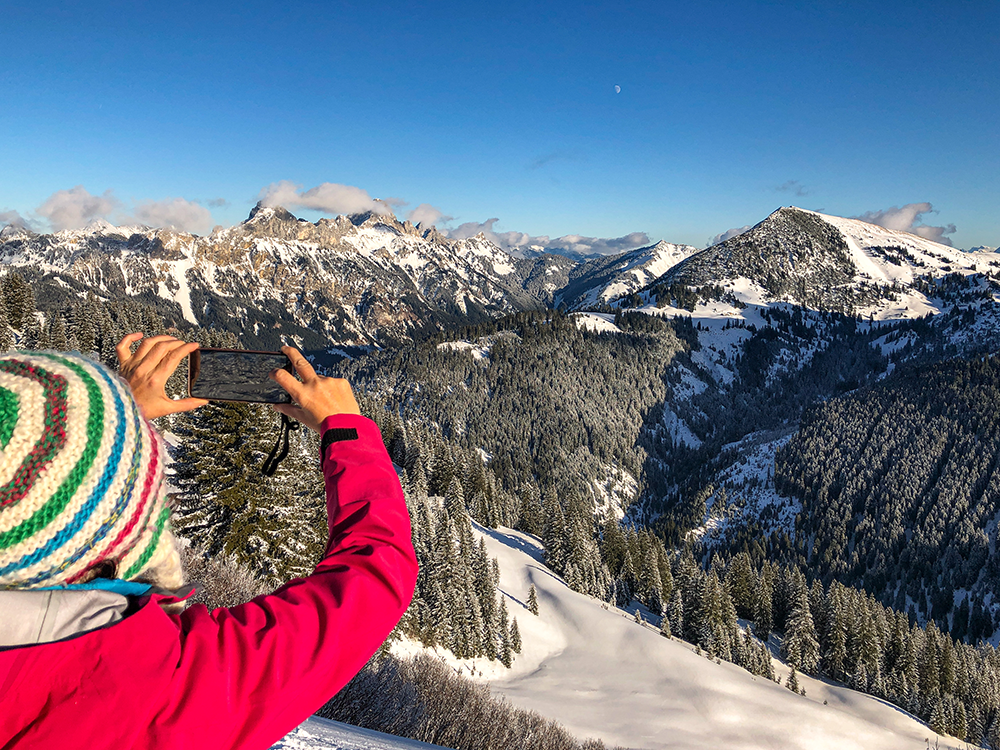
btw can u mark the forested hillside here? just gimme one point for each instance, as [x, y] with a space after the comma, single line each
[900, 491]
[553, 406]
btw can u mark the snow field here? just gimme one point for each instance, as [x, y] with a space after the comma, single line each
[601, 674]
[323, 734]
[597, 322]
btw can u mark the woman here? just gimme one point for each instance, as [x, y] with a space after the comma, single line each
[96, 650]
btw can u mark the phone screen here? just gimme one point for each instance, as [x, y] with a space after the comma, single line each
[236, 375]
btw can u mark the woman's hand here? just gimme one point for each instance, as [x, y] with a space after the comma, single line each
[147, 371]
[317, 397]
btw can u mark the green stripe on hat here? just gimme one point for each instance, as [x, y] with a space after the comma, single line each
[140, 565]
[9, 406]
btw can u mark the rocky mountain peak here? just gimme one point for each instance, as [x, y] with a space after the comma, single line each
[16, 230]
[792, 254]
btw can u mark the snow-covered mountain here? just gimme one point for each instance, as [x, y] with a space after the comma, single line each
[600, 280]
[360, 280]
[826, 263]
[350, 280]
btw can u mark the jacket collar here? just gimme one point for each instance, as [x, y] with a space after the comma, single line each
[44, 616]
[35, 616]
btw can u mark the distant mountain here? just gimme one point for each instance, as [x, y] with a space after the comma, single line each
[600, 280]
[358, 280]
[361, 280]
[823, 262]
[370, 280]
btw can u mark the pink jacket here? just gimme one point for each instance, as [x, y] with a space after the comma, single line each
[232, 678]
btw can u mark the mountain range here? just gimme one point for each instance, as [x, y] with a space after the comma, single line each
[371, 280]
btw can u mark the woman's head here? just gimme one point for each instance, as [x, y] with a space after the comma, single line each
[81, 477]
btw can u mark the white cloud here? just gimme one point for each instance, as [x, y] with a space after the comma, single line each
[14, 219]
[328, 198]
[728, 235]
[573, 244]
[176, 213]
[427, 215]
[906, 218]
[75, 208]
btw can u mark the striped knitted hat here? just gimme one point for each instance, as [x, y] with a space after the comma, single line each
[81, 476]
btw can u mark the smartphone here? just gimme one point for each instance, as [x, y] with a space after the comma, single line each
[237, 375]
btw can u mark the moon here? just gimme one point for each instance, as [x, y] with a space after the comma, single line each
[618, 89]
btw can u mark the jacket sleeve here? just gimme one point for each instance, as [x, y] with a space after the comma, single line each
[248, 675]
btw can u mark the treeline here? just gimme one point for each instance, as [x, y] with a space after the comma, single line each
[86, 324]
[900, 490]
[455, 603]
[846, 634]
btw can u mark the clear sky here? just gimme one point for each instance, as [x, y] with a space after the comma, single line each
[188, 113]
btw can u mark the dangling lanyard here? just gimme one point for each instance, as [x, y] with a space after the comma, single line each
[280, 449]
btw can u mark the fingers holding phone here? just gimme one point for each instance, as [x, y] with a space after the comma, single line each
[316, 397]
[147, 369]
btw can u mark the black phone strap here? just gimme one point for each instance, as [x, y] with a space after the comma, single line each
[280, 449]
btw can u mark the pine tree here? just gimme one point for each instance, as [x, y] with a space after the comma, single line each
[454, 500]
[938, 719]
[56, 334]
[959, 723]
[792, 683]
[532, 600]
[217, 470]
[800, 646]
[504, 650]
[993, 733]
[275, 526]
[929, 664]
[554, 536]
[763, 620]
[835, 650]
[651, 587]
[531, 516]
[665, 627]
[515, 637]
[613, 546]
[84, 323]
[675, 612]
[19, 300]
[741, 586]
[6, 335]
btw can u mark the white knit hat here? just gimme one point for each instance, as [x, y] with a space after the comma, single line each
[81, 476]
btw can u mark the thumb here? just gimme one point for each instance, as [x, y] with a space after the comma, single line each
[189, 404]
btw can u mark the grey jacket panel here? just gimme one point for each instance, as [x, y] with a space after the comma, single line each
[30, 617]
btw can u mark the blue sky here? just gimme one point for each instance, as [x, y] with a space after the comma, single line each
[181, 113]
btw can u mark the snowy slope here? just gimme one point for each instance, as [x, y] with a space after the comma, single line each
[603, 675]
[828, 262]
[600, 280]
[322, 734]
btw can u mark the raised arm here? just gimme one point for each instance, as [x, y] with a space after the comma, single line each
[247, 675]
